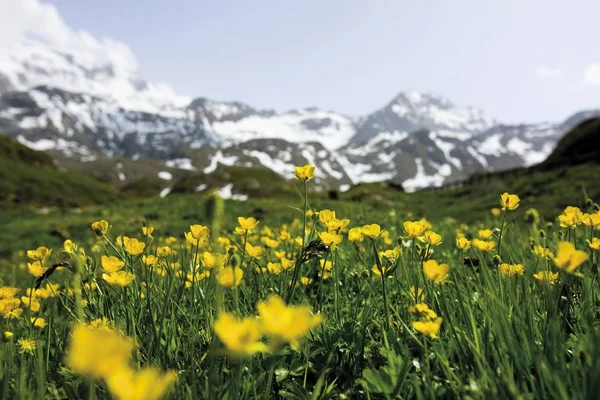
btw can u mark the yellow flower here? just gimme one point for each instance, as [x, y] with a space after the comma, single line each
[270, 243]
[229, 278]
[274, 268]
[149, 260]
[8, 335]
[571, 217]
[39, 322]
[111, 264]
[27, 345]
[247, 224]
[539, 251]
[377, 272]
[325, 216]
[111, 350]
[305, 280]
[463, 243]
[39, 254]
[147, 231]
[391, 254]
[211, 260]
[495, 211]
[305, 173]
[7, 306]
[68, 245]
[416, 295]
[254, 251]
[31, 303]
[434, 271]
[428, 328]
[100, 227]
[594, 244]
[7, 292]
[568, 258]
[423, 311]
[337, 225]
[485, 234]
[414, 228]
[36, 269]
[133, 246]
[145, 384]
[592, 220]
[484, 245]
[509, 201]
[355, 235]
[197, 234]
[288, 323]
[511, 269]
[242, 338]
[120, 278]
[163, 251]
[431, 238]
[373, 231]
[330, 239]
[546, 276]
[286, 263]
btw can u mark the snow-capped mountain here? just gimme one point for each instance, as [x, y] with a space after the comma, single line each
[83, 98]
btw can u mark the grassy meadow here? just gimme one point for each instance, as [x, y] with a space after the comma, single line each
[462, 293]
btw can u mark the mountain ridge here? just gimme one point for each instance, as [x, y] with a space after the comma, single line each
[83, 98]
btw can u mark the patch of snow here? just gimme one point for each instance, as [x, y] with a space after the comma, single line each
[226, 192]
[422, 180]
[344, 188]
[491, 145]
[165, 192]
[201, 187]
[275, 164]
[217, 159]
[122, 176]
[180, 163]
[481, 159]
[165, 175]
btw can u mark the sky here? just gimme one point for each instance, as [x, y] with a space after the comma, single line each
[520, 61]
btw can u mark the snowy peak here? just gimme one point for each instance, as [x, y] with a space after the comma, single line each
[237, 122]
[41, 50]
[411, 111]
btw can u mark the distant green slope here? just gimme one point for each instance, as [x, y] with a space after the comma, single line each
[580, 145]
[29, 177]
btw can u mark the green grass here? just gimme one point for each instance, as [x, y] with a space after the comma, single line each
[501, 337]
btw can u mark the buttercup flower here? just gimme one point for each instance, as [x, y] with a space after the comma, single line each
[100, 228]
[305, 173]
[428, 328]
[373, 231]
[434, 271]
[414, 228]
[228, 277]
[148, 383]
[509, 201]
[242, 338]
[463, 243]
[511, 269]
[111, 264]
[546, 276]
[568, 258]
[133, 246]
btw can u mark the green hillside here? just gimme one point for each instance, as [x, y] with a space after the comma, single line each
[29, 177]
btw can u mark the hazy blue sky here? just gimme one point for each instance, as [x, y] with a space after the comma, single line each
[521, 60]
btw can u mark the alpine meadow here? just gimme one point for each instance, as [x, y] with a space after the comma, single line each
[299, 200]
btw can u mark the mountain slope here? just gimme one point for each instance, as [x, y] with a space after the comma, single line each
[83, 100]
[28, 177]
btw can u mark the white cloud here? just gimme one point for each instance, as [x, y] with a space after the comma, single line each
[591, 76]
[549, 72]
[37, 44]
